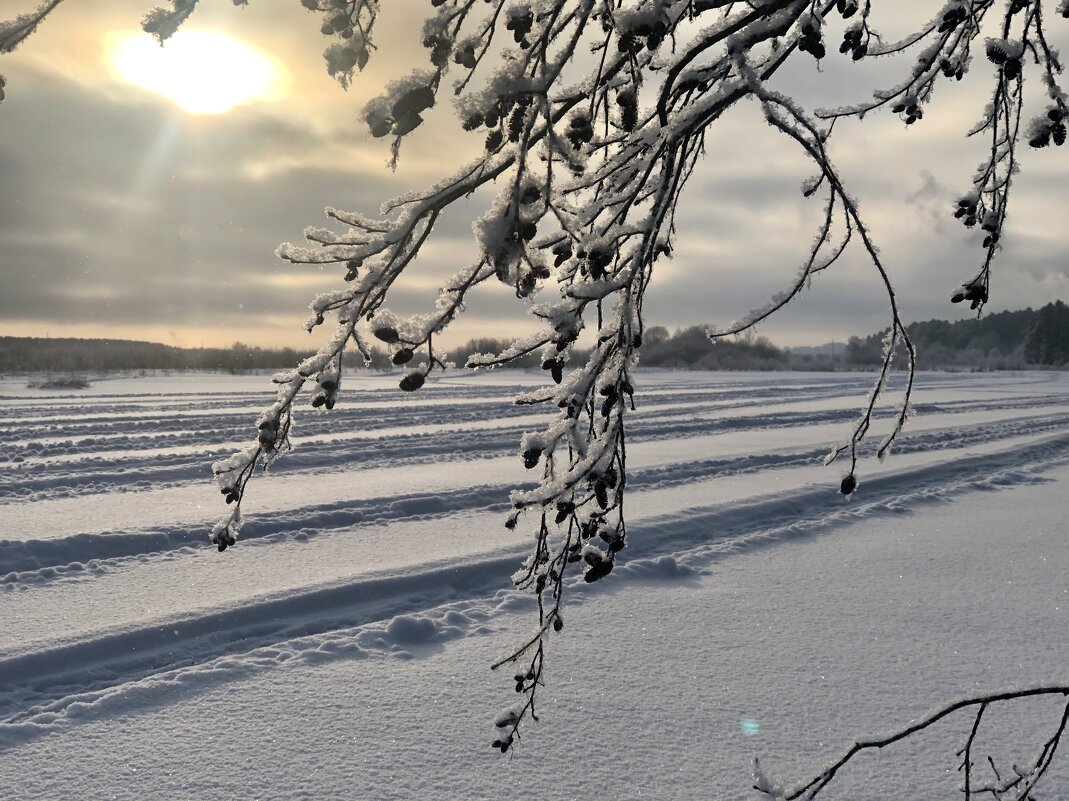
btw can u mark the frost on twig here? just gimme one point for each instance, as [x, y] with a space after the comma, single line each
[592, 116]
[589, 172]
[980, 777]
[12, 33]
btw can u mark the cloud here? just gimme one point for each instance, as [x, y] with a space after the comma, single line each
[151, 215]
[119, 209]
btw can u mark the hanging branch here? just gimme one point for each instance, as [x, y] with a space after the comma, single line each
[590, 184]
[593, 115]
[14, 32]
[1017, 783]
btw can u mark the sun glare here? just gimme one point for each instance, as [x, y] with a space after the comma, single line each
[203, 72]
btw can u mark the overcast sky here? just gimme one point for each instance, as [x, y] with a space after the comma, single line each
[124, 215]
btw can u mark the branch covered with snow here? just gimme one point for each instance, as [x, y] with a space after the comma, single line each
[589, 169]
[593, 116]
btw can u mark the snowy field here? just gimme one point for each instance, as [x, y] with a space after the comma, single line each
[341, 649]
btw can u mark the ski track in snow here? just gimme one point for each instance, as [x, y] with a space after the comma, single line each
[692, 431]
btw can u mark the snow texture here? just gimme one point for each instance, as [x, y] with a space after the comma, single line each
[340, 649]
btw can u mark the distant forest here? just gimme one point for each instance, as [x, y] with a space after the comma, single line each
[1008, 340]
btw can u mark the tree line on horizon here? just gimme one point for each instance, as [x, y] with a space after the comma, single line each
[1009, 340]
[1006, 340]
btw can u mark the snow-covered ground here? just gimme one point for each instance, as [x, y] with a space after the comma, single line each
[341, 649]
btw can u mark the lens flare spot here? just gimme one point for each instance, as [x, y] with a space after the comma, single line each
[749, 726]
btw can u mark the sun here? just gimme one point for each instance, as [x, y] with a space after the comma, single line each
[203, 72]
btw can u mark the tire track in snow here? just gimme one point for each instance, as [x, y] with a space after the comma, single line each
[126, 472]
[81, 556]
[420, 606]
[229, 426]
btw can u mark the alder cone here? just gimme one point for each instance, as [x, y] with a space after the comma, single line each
[413, 102]
[406, 124]
[381, 128]
[387, 334]
[597, 571]
[412, 381]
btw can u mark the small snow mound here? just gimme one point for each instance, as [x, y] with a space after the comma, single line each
[455, 618]
[512, 602]
[663, 567]
[411, 630]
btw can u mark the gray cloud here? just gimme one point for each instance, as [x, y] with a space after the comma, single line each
[117, 207]
[161, 221]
